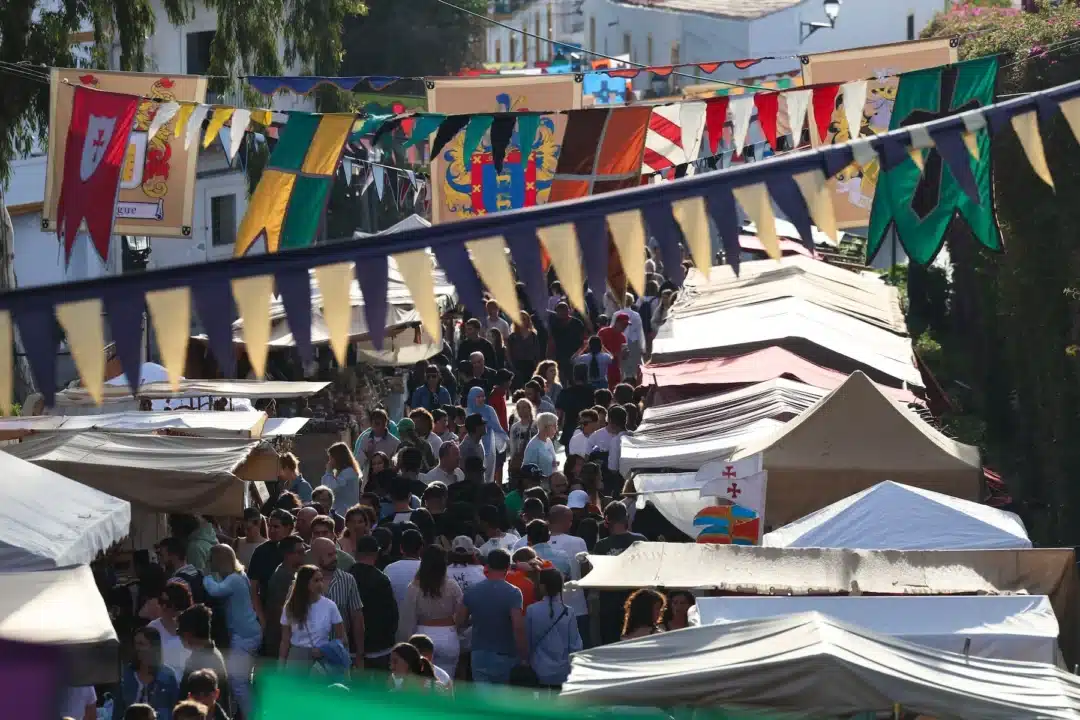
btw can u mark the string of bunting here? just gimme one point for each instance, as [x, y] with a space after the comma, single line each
[472, 253]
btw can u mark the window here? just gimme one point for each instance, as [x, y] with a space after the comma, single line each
[498, 50]
[648, 49]
[222, 220]
[627, 47]
[911, 26]
[198, 52]
[592, 34]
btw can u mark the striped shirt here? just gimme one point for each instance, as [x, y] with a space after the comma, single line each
[343, 591]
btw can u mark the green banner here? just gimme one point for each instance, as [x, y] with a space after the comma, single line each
[922, 205]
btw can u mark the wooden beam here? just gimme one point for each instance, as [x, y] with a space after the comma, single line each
[81, 37]
[25, 208]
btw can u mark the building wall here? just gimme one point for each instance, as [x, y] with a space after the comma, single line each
[566, 25]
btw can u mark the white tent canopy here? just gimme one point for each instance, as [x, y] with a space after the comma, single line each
[1001, 627]
[892, 516]
[247, 424]
[62, 607]
[48, 521]
[811, 664]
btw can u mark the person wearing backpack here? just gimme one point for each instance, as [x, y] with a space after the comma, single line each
[551, 631]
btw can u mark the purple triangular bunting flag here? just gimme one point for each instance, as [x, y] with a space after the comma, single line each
[371, 274]
[525, 249]
[294, 286]
[592, 235]
[725, 215]
[787, 196]
[125, 313]
[40, 334]
[214, 305]
[666, 232]
[950, 145]
[454, 259]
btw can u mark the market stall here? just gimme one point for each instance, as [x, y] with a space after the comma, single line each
[242, 424]
[1001, 627]
[49, 521]
[157, 473]
[195, 394]
[62, 607]
[813, 665]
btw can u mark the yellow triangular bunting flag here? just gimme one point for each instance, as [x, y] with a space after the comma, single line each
[253, 304]
[971, 140]
[217, 121]
[7, 364]
[755, 201]
[84, 327]
[416, 270]
[335, 281]
[182, 117]
[692, 217]
[628, 234]
[263, 117]
[818, 201]
[493, 266]
[916, 155]
[561, 243]
[1026, 127]
[170, 314]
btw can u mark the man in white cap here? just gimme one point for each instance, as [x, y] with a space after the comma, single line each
[578, 500]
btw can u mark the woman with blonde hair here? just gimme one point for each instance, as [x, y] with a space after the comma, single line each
[342, 476]
[230, 583]
[541, 451]
[522, 431]
[308, 620]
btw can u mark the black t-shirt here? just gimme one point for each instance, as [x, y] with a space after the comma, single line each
[485, 382]
[572, 401]
[568, 336]
[380, 607]
[264, 561]
[480, 344]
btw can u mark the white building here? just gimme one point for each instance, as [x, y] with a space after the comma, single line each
[661, 32]
[559, 20]
[220, 191]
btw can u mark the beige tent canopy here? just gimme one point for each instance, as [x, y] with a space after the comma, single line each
[253, 389]
[245, 424]
[851, 440]
[812, 571]
[62, 607]
[158, 473]
[811, 664]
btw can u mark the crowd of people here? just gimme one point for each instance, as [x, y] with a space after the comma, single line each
[436, 549]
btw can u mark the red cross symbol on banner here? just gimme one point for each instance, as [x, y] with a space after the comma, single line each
[729, 471]
[734, 491]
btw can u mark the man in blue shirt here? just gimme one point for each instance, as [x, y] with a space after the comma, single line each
[431, 395]
[498, 635]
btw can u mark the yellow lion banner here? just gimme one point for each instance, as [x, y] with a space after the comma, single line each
[465, 187]
[157, 181]
[853, 188]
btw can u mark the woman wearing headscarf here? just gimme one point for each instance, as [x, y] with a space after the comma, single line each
[495, 434]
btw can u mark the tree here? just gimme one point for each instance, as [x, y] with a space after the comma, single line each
[1014, 318]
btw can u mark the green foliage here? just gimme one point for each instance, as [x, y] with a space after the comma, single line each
[1010, 323]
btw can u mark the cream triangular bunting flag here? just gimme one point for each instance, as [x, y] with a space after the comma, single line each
[334, 282]
[798, 105]
[693, 218]
[974, 123]
[854, 94]
[561, 243]
[194, 125]
[416, 270]
[240, 120]
[252, 296]
[818, 197]
[916, 155]
[217, 121]
[628, 234]
[1071, 110]
[691, 127]
[7, 364]
[493, 266]
[755, 201]
[741, 107]
[84, 326]
[164, 113]
[1026, 127]
[170, 314]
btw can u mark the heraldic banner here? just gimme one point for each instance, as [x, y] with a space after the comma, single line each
[465, 187]
[157, 181]
[853, 188]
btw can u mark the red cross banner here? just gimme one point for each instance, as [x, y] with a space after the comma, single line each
[97, 141]
[737, 514]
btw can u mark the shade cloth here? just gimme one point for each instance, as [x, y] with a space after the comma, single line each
[248, 424]
[62, 607]
[642, 454]
[812, 571]
[1002, 627]
[700, 377]
[49, 521]
[254, 389]
[892, 516]
[751, 243]
[160, 473]
[822, 336]
[812, 664]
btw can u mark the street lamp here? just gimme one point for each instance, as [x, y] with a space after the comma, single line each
[832, 10]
